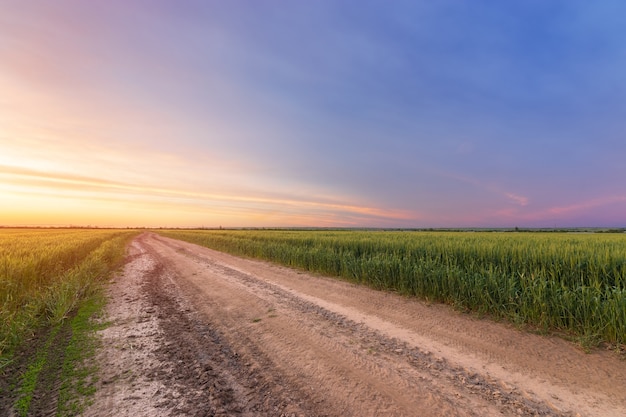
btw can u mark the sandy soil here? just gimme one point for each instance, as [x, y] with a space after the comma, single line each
[200, 333]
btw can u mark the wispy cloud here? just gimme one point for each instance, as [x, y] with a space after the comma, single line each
[566, 215]
[587, 204]
[75, 186]
[491, 187]
[59, 178]
[520, 200]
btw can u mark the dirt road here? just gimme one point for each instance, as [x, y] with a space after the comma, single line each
[198, 332]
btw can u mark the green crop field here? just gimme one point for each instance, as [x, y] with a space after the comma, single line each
[45, 272]
[50, 282]
[568, 282]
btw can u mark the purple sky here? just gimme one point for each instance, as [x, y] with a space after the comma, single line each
[313, 113]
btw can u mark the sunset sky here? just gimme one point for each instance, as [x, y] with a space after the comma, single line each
[313, 113]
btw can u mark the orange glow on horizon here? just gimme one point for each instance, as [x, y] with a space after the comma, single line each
[32, 197]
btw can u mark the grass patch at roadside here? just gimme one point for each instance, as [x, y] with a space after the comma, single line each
[29, 380]
[79, 371]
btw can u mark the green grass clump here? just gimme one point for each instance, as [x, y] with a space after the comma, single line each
[569, 282]
[31, 376]
[78, 373]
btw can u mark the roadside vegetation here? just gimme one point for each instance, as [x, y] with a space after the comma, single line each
[572, 283]
[50, 288]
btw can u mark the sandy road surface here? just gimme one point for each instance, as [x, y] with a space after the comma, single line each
[198, 332]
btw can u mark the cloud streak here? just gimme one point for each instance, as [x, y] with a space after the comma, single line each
[583, 206]
[32, 182]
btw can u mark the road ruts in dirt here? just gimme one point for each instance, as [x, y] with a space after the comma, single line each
[220, 335]
[159, 358]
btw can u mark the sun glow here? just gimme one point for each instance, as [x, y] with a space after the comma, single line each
[33, 197]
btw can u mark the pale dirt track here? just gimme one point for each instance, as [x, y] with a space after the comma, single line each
[198, 332]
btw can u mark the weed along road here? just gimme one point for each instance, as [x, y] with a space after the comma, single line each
[198, 332]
